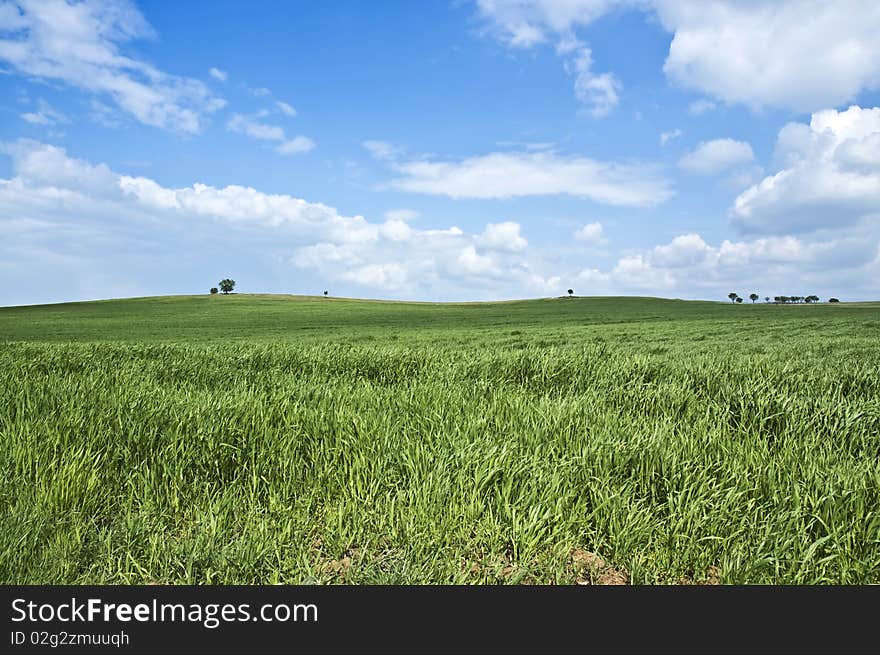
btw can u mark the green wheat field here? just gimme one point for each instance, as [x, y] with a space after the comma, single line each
[285, 439]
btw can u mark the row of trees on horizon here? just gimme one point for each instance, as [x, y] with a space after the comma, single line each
[779, 300]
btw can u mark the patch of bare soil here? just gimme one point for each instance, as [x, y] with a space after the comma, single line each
[591, 569]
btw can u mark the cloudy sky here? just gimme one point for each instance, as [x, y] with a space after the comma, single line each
[452, 150]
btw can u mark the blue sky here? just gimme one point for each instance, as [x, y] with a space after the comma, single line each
[440, 151]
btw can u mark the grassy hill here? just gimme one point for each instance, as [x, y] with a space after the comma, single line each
[305, 319]
[269, 439]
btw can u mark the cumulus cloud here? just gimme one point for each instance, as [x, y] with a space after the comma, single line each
[688, 266]
[80, 44]
[597, 91]
[52, 193]
[777, 53]
[713, 157]
[830, 176]
[511, 174]
[684, 250]
[503, 236]
[254, 128]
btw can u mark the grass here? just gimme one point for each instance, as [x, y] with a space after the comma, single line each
[263, 439]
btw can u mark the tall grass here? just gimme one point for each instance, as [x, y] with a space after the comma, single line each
[674, 459]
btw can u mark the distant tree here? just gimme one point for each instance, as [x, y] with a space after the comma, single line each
[570, 293]
[766, 298]
[325, 294]
[213, 291]
[813, 298]
[833, 300]
[753, 297]
[732, 297]
[227, 285]
[738, 299]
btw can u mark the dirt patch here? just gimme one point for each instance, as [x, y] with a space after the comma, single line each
[340, 567]
[591, 569]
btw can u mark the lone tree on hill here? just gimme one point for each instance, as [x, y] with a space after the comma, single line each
[227, 285]
[753, 297]
[833, 300]
[213, 291]
[570, 293]
[325, 294]
[738, 299]
[732, 297]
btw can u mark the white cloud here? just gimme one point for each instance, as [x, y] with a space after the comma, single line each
[598, 91]
[830, 176]
[526, 23]
[382, 150]
[296, 145]
[473, 263]
[637, 272]
[261, 92]
[381, 276]
[51, 168]
[684, 250]
[690, 267]
[396, 230]
[79, 44]
[510, 174]
[503, 236]
[286, 108]
[782, 53]
[713, 157]
[253, 128]
[777, 53]
[589, 233]
[401, 214]
[671, 135]
[52, 193]
[44, 115]
[264, 132]
[86, 223]
[218, 74]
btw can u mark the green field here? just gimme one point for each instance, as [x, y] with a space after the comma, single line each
[264, 439]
